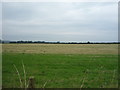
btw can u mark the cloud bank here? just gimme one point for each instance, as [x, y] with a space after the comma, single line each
[50, 21]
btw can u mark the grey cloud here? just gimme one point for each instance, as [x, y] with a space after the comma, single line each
[53, 21]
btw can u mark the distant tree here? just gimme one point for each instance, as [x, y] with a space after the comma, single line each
[58, 41]
[88, 42]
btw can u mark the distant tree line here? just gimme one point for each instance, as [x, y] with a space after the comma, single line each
[58, 42]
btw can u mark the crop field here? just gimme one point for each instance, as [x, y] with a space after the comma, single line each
[61, 65]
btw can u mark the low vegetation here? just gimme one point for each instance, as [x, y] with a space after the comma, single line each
[62, 65]
[61, 48]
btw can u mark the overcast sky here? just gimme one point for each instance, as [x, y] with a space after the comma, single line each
[50, 21]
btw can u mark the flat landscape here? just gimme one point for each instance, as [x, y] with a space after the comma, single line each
[61, 65]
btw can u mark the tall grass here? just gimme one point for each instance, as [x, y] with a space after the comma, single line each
[24, 74]
[21, 84]
[25, 84]
[20, 78]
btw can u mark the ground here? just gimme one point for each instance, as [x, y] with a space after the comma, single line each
[61, 65]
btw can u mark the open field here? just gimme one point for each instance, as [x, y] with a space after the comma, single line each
[61, 48]
[62, 65]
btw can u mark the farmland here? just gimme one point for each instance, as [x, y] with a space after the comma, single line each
[61, 65]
